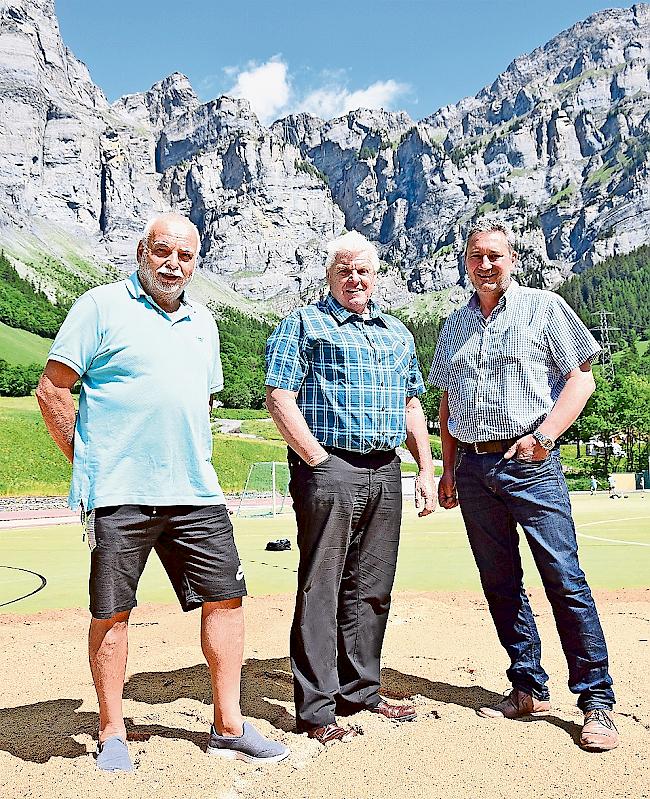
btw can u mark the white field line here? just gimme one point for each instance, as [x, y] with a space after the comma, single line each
[42, 521]
[613, 540]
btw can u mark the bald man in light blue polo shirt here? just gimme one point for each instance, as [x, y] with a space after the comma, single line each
[161, 416]
[141, 447]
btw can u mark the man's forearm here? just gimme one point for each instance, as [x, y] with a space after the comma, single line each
[59, 414]
[578, 388]
[417, 436]
[292, 425]
[446, 438]
[417, 442]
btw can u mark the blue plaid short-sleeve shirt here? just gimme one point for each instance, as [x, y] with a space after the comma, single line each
[352, 375]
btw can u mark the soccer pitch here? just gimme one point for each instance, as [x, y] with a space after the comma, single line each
[613, 536]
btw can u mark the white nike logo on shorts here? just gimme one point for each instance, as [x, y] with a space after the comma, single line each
[240, 573]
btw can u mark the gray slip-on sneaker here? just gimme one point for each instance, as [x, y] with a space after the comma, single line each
[251, 747]
[113, 755]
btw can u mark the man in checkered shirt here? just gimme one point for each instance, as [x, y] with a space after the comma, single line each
[514, 366]
[342, 384]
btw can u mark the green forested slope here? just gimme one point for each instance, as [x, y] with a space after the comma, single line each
[620, 284]
[26, 313]
[243, 339]
[23, 306]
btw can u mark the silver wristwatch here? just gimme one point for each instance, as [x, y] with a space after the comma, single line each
[544, 441]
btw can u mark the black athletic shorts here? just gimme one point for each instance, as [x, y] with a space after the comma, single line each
[195, 545]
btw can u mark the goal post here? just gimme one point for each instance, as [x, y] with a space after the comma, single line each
[266, 488]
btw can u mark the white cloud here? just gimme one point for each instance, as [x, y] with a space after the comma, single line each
[266, 87]
[332, 101]
[270, 90]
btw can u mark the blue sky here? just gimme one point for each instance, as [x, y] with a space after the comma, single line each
[323, 57]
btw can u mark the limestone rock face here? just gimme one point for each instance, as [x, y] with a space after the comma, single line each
[263, 211]
[50, 114]
[165, 101]
[558, 145]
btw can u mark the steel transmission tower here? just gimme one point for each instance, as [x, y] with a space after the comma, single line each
[604, 329]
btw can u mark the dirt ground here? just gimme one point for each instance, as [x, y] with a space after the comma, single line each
[440, 650]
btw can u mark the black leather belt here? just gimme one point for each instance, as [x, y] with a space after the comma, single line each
[364, 460]
[373, 459]
[487, 447]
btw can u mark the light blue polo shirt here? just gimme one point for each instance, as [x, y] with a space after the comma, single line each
[142, 435]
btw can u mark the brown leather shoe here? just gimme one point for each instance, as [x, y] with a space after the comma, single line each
[514, 706]
[394, 712]
[332, 732]
[599, 733]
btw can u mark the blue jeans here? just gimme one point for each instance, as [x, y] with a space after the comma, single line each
[495, 495]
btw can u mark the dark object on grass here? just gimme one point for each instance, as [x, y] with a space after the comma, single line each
[278, 546]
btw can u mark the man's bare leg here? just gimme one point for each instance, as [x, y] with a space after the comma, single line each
[107, 651]
[222, 641]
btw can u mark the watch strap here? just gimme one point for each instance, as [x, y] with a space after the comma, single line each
[544, 441]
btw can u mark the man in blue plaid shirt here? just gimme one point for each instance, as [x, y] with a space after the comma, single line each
[514, 366]
[342, 383]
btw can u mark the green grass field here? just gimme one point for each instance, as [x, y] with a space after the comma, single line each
[30, 464]
[20, 348]
[239, 413]
[614, 539]
[264, 428]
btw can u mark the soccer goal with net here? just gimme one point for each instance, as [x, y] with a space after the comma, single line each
[266, 489]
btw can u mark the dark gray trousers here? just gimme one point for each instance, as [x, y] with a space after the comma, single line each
[348, 512]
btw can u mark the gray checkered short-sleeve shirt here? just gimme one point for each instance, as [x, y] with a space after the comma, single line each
[504, 374]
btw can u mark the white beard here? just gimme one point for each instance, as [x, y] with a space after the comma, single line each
[154, 286]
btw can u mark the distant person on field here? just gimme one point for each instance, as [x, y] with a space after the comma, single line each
[148, 361]
[593, 484]
[611, 482]
[342, 383]
[514, 364]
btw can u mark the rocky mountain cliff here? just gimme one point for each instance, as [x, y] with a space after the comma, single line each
[559, 145]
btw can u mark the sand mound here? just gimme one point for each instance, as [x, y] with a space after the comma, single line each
[441, 650]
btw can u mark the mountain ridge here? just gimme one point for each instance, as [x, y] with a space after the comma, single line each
[558, 144]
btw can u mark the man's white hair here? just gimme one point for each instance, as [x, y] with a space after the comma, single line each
[146, 233]
[351, 242]
[487, 224]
